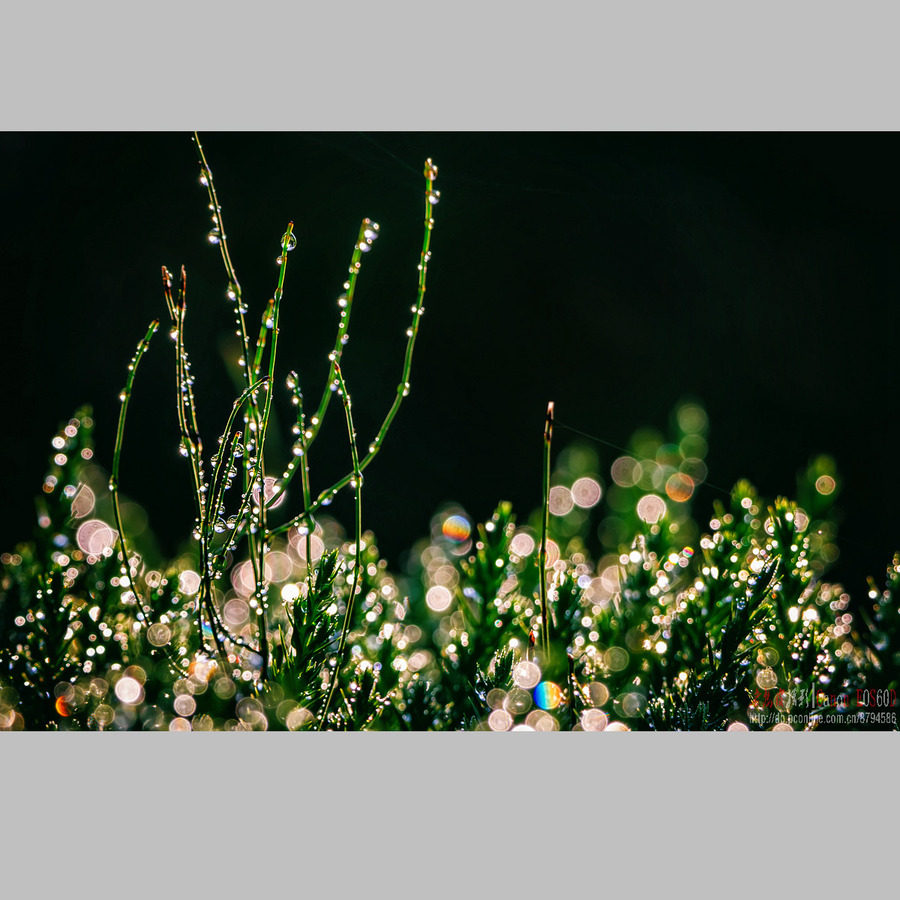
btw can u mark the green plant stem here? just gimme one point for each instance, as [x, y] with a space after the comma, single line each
[270, 323]
[125, 397]
[357, 579]
[545, 523]
[334, 356]
[234, 284]
[402, 389]
[304, 470]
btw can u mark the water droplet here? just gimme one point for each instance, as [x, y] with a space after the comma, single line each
[342, 301]
[365, 246]
[434, 197]
[291, 241]
[371, 232]
[203, 179]
[431, 170]
[345, 338]
[214, 236]
[182, 449]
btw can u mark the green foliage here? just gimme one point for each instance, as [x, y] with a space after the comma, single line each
[639, 616]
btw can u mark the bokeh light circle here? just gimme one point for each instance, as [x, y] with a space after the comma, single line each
[526, 674]
[547, 695]
[586, 492]
[456, 529]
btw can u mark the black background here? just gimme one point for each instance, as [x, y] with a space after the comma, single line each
[613, 273]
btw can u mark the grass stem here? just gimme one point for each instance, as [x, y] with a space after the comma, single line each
[545, 523]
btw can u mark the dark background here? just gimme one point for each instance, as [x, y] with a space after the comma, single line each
[612, 273]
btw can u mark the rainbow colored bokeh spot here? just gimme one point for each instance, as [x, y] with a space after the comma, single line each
[547, 695]
[456, 529]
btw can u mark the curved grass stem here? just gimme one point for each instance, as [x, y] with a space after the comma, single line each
[358, 572]
[545, 522]
[125, 397]
[418, 309]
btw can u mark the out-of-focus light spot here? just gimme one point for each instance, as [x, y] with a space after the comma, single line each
[438, 598]
[104, 714]
[518, 701]
[270, 489]
[616, 659]
[522, 544]
[243, 579]
[496, 698]
[651, 508]
[617, 726]
[586, 492]
[236, 612]
[202, 723]
[278, 566]
[597, 693]
[737, 726]
[560, 501]
[159, 634]
[224, 687]
[801, 520]
[456, 529]
[768, 655]
[552, 552]
[290, 592]
[547, 695]
[179, 725]
[189, 582]
[129, 690]
[500, 720]
[298, 718]
[594, 720]
[632, 704]
[660, 647]
[541, 721]
[680, 487]
[626, 471]
[783, 701]
[95, 536]
[825, 484]
[83, 503]
[62, 706]
[693, 446]
[524, 727]
[766, 679]
[526, 674]
[185, 705]
[782, 726]
[297, 540]
[250, 712]
[691, 418]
